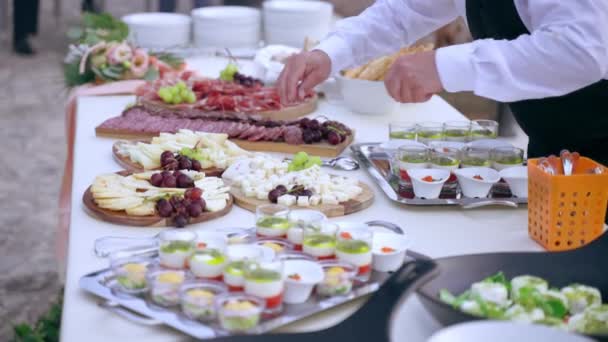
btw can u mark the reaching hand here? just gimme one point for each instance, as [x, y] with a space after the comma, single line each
[301, 74]
[413, 78]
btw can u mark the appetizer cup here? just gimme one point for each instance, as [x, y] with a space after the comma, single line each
[484, 129]
[505, 157]
[130, 273]
[476, 182]
[402, 131]
[300, 219]
[239, 256]
[389, 251]
[175, 247]
[427, 183]
[320, 242]
[165, 285]
[517, 178]
[475, 157]
[446, 158]
[411, 157]
[208, 263]
[438, 145]
[301, 276]
[457, 130]
[214, 240]
[338, 278]
[277, 245]
[272, 220]
[430, 131]
[239, 312]
[295, 255]
[354, 245]
[264, 279]
[198, 299]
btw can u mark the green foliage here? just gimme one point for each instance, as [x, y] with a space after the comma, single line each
[73, 77]
[45, 330]
[99, 27]
[172, 60]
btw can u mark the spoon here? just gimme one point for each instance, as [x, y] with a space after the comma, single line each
[567, 162]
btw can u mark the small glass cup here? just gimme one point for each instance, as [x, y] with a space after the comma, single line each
[198, 299]
[300, 220]
[264, 279]
[484, 129]
[321, 242]
[505, 157]
[402, 131]
[277, 245]
[430, 131]
[457, 130]
[354, 245]
[165, 285]
[447, 158]
[208, 263]
[239, 256]
[175, 247]
[130, 272]
[272, 220]
[338, 278]
[239, 312]
[475, 157]
[412, 157]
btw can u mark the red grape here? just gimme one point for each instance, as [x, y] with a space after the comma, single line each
[183, 181]
[166, 155]
[176, 173]
[156, 179]
[185, 164]
[180, 221]
[169, 182]
[202, 203]
[273, 196]
[196, 165]
[281, 188]
[195, 210]
[164, 208]
[194, 193]
[333, 138]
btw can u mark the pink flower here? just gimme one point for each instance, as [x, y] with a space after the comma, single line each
[119, 53]
[140, 63]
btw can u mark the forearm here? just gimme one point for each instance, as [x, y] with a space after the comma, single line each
[384, 28]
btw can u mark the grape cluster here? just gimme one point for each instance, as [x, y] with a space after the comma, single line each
[246, 81]
[333, 131]
[170, 161]
[280, 190]
[176, 94]
[181, 208]
[168, 179]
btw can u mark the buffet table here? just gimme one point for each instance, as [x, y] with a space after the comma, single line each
[434, 231]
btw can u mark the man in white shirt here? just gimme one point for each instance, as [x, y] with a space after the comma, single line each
[547, 58]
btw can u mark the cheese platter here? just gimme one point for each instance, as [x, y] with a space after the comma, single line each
[157, 198]
[300, 183]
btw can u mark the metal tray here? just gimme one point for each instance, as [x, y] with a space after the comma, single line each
[377, 163]
[139, 310]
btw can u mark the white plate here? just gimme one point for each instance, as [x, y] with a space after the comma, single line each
[158, 30]
[485, 331]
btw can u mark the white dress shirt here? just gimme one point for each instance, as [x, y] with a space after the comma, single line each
[566, 50]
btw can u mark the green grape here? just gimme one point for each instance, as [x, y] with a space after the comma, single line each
[191, 98]
[300, 158]
[316, 160]
[228, 73]
[183, 93]
[165, 94]
[181, 85]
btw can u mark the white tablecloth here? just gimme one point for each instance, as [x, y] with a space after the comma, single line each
[437, 231]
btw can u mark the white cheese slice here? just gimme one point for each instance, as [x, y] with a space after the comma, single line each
[215, 205]
[329, 199]
[261, 195]
[315, 200]
[303, 201]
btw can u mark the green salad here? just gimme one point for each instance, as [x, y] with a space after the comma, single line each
[529, 299]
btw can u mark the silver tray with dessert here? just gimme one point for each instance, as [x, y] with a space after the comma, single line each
[293, 265]
[447, 173]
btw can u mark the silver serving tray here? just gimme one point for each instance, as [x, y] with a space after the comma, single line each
[370, 155]
[139, 310]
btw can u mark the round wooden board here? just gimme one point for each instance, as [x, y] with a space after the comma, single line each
[129, 165]
[121, 217]
[362, 201]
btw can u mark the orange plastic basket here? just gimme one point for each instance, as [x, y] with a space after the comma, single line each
[566, 212]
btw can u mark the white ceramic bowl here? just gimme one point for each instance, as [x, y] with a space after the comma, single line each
[290, 22]
[424, 189]
[388, 261]
[366, 97]
[476, 188]
[310, 274]
[227, 27]
[158, 30]
[517, 178]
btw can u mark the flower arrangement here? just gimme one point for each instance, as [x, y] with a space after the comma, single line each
[103, 55]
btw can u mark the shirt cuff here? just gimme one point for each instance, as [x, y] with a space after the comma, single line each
[456, 68]
[339, 53]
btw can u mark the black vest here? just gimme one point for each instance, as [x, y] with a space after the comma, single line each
[577, 121]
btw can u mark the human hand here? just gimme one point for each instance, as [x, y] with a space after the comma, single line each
[413, 78]
[302, 72]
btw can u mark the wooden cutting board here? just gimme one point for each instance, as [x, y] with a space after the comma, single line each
[130, 165]
[318, 149]
[121, 217]
[362, 201]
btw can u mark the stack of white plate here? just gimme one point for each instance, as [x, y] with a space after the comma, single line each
[227, 27]
[158, 30]
[289, 22]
